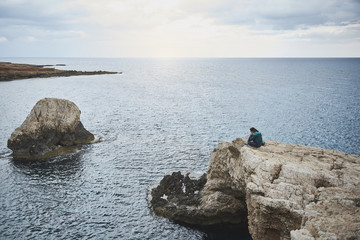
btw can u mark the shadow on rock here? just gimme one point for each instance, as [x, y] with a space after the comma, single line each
[224, 231]
[181, 199]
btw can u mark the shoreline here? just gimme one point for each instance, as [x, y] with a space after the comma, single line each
[17, 71]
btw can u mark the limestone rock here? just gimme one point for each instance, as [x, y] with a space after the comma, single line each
[301, 189]
[290, 191]
[295, 191]
[52, 123]
[216, 202]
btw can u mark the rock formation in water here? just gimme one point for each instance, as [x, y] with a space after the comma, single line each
[178, 190]
[52, 123]
[289, 192]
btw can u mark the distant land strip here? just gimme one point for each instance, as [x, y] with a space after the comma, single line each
[13, 71]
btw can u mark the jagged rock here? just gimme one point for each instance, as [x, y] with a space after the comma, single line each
[294, 191]
[177, 197]
[52, 123]
[216, 202]
[291, 188]
[291, 191]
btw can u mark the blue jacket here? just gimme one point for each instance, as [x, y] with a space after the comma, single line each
[256, 138]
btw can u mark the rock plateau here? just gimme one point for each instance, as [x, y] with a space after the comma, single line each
[283, 191]
[52, 124]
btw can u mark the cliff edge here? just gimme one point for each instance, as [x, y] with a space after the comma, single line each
[290, 191]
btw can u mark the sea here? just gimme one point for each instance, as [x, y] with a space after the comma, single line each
[157, 117]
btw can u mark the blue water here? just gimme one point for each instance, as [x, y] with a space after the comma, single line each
[160, 116]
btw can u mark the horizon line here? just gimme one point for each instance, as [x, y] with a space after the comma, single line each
[183, 57]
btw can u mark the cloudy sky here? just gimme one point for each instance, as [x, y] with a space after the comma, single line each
[179, 28]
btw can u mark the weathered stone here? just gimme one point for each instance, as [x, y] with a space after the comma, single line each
[295, 191]
[220, 201]
[52, 123]
[177, 197]
[294, 188]
[290, 191]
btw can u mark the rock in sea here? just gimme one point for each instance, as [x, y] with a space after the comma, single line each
[284, 191]
[52, 123]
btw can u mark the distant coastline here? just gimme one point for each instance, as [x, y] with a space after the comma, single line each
[14, 71]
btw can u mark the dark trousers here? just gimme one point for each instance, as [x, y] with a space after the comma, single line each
[253, 144]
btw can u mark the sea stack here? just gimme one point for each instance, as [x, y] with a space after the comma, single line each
[52, 124]
[284, 191]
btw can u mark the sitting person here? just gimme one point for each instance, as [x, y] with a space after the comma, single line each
[255, 139]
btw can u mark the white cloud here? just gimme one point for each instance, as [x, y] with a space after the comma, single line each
[3, 39]
[29, 39]
[277, 14]
[325, 33]
[182, 28]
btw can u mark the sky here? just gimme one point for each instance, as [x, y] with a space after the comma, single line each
[179, 28]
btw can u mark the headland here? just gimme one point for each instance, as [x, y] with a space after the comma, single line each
[14, 71]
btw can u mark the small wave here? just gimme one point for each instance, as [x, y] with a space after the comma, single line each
[5, 154]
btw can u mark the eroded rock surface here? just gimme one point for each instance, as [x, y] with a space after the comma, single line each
[177, 196]
[293, 191]
[52, 123]
[290, 191]
[213, 201]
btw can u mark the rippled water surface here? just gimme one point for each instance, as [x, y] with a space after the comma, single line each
[160, 116]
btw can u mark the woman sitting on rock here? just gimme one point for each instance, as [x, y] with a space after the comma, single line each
[255, 139]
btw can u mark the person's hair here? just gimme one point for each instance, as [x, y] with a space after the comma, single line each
[253, 129]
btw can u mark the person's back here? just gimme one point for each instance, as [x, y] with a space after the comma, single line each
[255, 139]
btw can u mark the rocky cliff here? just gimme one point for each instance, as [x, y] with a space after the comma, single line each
[289, 191]
[52, 123]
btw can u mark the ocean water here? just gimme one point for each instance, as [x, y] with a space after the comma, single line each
[160, 116]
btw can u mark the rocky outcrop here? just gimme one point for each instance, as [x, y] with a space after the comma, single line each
[191, 201]
[212, 199]
[52, 124]
[290, 191]
[12, 71]
[176, 197]
[293, 191]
